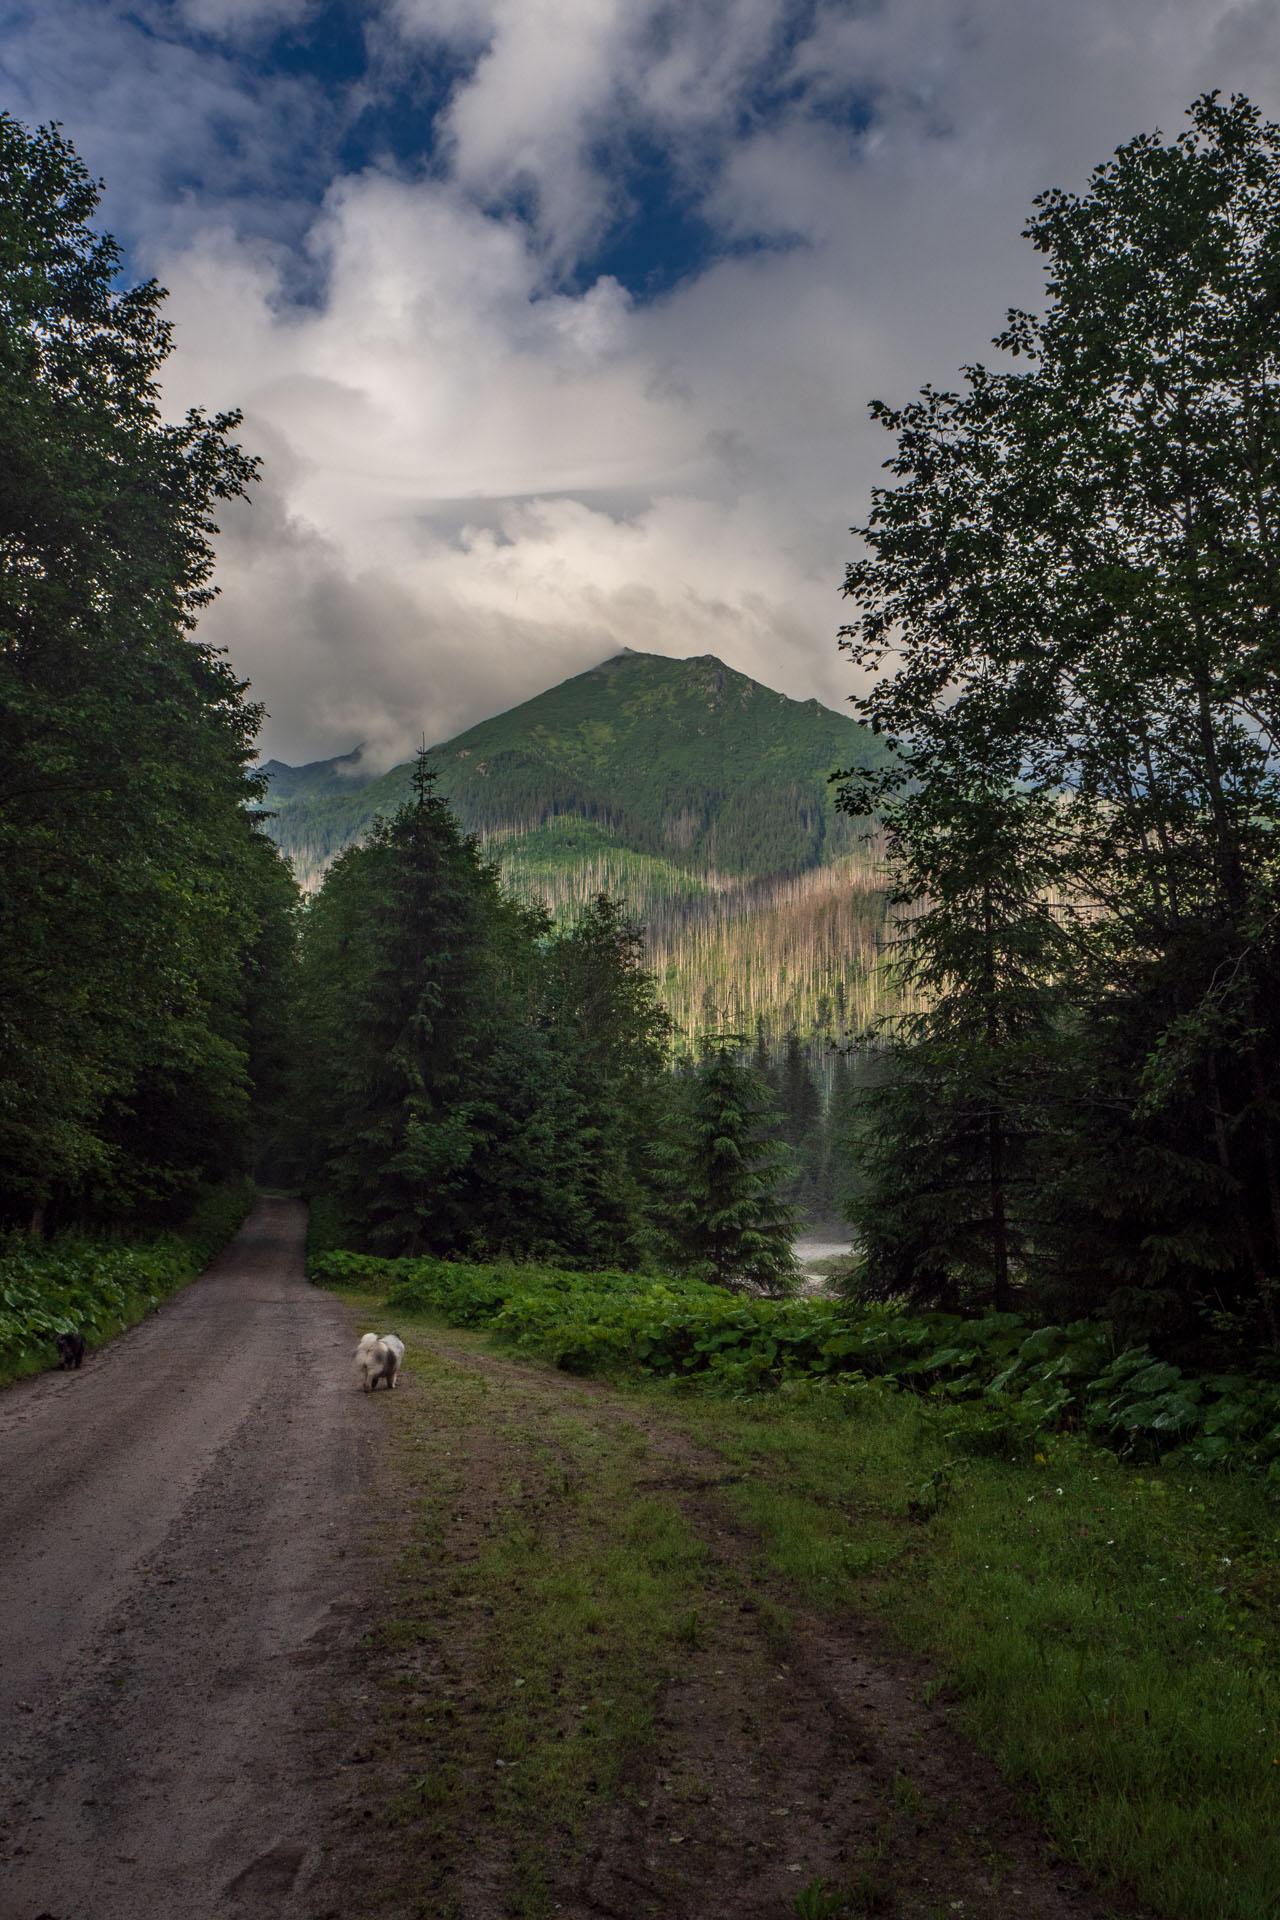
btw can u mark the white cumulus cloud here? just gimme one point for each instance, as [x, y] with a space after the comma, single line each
[487, 466]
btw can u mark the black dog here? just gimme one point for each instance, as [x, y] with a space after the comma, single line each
[70, 1350]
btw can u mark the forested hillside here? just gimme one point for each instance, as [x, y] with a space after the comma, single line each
[681, 760]
[689, 790]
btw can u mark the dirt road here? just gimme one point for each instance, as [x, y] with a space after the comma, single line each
[544, 1670]
[177, 1564]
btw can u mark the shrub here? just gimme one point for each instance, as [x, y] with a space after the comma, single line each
[99, 1288]
[998, 1386]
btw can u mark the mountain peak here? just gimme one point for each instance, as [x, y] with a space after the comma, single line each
[340, 775]
[685, 760]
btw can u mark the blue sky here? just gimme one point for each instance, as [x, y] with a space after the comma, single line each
[555, 321]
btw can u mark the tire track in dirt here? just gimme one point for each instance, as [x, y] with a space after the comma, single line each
[788, 1745]
[178, 1604]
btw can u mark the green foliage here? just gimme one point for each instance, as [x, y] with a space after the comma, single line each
[994, 1386]
[394, 962]
[218, 1211]
[949, 1127]
[469, 1079]
[933, 1493]
[327, 1231]
[819, 1901]
[727, 1219]
[139, 900]
[1064, 607]
[600, 1003]
[77, 1285]
[98, 1288]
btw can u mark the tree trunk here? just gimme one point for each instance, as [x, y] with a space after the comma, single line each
[995, 1124]
[1257, 1266]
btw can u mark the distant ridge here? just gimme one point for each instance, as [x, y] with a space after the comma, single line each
[687, 762]
[341, 775]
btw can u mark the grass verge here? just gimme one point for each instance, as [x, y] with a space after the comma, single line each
[1109, 1634]
[540, 1596]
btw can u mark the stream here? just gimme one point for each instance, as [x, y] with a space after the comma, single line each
[810, 1248]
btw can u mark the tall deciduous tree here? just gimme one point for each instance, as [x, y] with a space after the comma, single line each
[1074, 585]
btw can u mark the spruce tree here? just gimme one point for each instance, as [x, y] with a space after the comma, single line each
[613, 1033]
[393, 968]
[730, 1224]
[470, 1080]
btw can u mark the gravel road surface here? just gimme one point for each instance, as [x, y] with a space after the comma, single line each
[179, 1563]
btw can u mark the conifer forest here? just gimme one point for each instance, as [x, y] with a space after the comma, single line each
[1019, 1027]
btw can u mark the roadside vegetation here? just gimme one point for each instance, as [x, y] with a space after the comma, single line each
[97, 1287]
[1009, 1390]
[1105, 1628]
[1065, 603]
[1109, 1632]
[146, 922]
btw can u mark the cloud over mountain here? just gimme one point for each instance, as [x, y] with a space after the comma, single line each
[555, 320]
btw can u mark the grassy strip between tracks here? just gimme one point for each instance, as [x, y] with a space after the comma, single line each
[99, 1287]
[1109, 1633]
[539, 1599]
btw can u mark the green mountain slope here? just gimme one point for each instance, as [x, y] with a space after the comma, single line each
[684, 761]
[692, 792]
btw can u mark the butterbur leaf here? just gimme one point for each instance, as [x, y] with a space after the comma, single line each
[1173, 1412]
[1041, 1344]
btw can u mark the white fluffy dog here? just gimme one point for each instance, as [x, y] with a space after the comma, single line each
[378, 1358]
